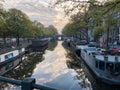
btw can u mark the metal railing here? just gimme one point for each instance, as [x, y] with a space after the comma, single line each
[27, 84]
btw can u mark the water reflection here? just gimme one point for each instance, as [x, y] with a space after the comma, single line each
[25, 69]
[59, 69]
[77, 65]
[52, 45]
[54, 72]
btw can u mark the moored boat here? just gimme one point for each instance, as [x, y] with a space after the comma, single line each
[105, 67]
[10, 59]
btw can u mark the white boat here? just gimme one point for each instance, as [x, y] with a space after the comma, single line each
[105, 67]
[10, 59]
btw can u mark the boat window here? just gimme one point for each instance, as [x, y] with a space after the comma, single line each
[96, 64]
[117, 67]
[8, 56]
[110, 67]
[78, 52]
[101, 65]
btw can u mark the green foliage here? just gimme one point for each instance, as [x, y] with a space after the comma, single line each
[37, 29]
[97, 32]
[92, 13]
[70, 29]
[3, 26]
[17, 22]
[50, 30]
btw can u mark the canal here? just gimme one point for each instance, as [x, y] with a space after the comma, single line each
[57, 68]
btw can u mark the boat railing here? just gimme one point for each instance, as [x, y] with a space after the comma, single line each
[27, 84]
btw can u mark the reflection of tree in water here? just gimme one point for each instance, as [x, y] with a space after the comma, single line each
[75, 64]
[52, 45]
[26, 68]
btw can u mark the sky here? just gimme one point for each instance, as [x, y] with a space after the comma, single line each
[41, 11]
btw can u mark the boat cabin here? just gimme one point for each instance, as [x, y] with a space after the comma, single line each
[109, 64]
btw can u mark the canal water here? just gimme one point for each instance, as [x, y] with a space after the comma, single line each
[54, 72]
[57, 68]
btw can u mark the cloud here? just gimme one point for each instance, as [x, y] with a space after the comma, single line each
[39, 10]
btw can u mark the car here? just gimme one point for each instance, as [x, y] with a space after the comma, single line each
[93, 44]
[82, 42]
[115, 49]
[106, 48]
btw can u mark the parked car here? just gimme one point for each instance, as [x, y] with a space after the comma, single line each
[115, 49]
[82, 42]
[106, 48]
[93, 44]
[9, 46]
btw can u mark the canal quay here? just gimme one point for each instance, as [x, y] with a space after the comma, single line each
[57, 68]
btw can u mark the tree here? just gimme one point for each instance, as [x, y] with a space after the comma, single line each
[111, 5]
[38, 29]
[97, 32]
[50, 30]
[92, 10]
[4, 32]
[109, 14]
[75, 6]
[70, 29]
[80, 12]
[17, 22]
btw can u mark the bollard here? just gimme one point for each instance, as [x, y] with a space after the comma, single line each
[28, 83]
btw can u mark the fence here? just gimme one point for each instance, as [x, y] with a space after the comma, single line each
[27, 84]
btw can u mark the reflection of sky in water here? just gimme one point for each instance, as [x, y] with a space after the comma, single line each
[54, 72]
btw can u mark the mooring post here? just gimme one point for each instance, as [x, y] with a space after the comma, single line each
[28, 83]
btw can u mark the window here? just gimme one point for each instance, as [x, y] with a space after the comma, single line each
[117, 67]
[8, 56]
[78, 52]
[96, 64]
[101, 65]
[110, 67]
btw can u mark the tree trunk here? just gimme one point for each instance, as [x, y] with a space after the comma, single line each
[107, 36]
[4, 38]
[18, 42]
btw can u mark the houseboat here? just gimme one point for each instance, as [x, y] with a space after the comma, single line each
[39, 45]
[10, 59]
[105, 67]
